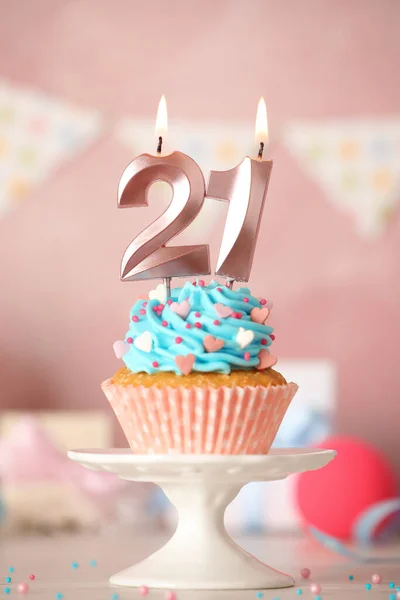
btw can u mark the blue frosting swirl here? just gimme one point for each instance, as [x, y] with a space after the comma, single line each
[172, 335]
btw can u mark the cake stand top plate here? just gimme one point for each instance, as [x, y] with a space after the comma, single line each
[243, 468]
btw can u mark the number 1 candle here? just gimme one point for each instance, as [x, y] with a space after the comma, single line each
[245, 188]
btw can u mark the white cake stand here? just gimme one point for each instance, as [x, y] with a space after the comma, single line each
[201, 555]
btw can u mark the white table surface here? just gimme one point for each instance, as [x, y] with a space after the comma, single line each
[50, 560]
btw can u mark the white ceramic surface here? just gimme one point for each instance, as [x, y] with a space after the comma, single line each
[201, 555]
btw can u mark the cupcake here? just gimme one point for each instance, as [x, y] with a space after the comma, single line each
[198, 376]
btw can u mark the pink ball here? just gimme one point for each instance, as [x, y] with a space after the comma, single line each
[22, 587]
[32, 577]
[143, 590]
[376, 578]
[170, 596]
[328, 499]
[305, 573]
[315, 588]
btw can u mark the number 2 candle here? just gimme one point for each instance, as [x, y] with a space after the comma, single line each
[146, 256]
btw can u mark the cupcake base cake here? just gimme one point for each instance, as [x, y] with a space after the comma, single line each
[198, 374]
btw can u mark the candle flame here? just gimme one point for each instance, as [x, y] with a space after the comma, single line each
[261, 122]
[162, 118]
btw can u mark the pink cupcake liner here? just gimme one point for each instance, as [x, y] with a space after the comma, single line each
[199, 420]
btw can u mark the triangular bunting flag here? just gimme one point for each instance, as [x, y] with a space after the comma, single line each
[37, 133]
[357, 164]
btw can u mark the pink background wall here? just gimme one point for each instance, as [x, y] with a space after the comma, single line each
[335, 294]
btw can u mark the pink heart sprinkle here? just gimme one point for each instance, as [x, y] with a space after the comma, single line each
[259, 315]
[182, 309]
[222, 310]
[212, 344]
[185, 363]
[266, 360]
[120, 348]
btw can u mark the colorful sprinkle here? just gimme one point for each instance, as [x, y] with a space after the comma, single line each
[194, 283]
[160, 307]
[264, 342]
[318, 597]
[135, 319]
[245, 299]
[197, 314]
[143, 590]
[216, 322]
[164, 323]
[7, 590]
[247, 356]
[368, 586]
[351, 577]
[198, 325]
[305, 573]
[11, 569]
[392, 596]
[22, 587]
[32, 577]
[263, 301]
[202, 283]
[129, 340]
[219, 289]
[142, 311]
[115, 597]
[299, 592]
[93, 563]
[178, 340]
[260, 595]
[74, 565]
[169, 301]
[59, 596]
[188, 325]
[376, 578]
[145, 304]
[315, 588]
[155, 364]
[392, 584]
[8, 579]
[272, 336]
[170, 596]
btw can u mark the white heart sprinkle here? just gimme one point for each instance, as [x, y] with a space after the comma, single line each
[143, 341]
[160, 293]
[244, 337]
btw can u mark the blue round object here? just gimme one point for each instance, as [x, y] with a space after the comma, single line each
[368, 586]
[74, 565]
[299, 592]
[8, 579]
[59, 596]
[114, 597]
[11, 569]
[351, 577]
[260, 595]
[392, 597]
[7, 590]
[93, 563]
[391, 584]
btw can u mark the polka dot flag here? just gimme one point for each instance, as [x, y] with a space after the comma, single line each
[37, 133]
[357, 164]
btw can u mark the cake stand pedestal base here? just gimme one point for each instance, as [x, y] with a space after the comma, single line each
[201, 555]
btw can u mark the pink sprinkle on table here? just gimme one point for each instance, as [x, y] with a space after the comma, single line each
[263, 301]
[143, 590]
[305, 573]
[315, 588]
[170, 596]
[32, 577]
[376, 578]
[23, 587]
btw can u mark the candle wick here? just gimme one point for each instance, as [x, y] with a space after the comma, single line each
[159, 145]
[261, 150]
